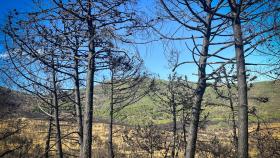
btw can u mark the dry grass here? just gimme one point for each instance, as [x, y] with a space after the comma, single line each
[36, 130]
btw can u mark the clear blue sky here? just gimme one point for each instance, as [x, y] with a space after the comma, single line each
[153, 54]
[8, 5]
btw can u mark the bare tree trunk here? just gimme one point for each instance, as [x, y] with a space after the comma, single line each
[111, 148]
[174, 126]
[47, 147]
[230, 97]
[234, 127]
[88, 113]
[56, 113]
[241, 82]
[78, 105]
[110, 138]
[184, 130]
[191, 147]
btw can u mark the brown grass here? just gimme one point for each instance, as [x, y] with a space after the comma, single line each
[36, 130]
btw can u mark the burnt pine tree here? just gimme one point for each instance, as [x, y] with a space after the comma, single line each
[38, 79]
[126, 86]
[40, 71]
[226, 78]
[99, 19]
[149, 138]
[243, 15]
[208, 28]
[85, 42]
[173, 97]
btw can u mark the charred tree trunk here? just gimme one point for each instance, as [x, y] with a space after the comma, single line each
[196, 109]
[78, 105]
[110, 138]
[184, 129]
[174, 126]
[230, 97]
[56, 113]
[47, 147]
[88, 113]
[241, 82]
[191, 147]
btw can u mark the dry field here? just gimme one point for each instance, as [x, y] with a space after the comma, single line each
[34, 132]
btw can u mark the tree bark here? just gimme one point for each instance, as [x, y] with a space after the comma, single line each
[78, 105]
[196, 109]
[234, 131]
[241, 82]
[47, 147]
[88, 113]
[174, 126]
[110, 138]
[56, 113]
[184, 130]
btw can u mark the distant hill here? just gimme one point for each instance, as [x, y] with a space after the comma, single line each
[14, 103]
[146, 109]
[264, 98]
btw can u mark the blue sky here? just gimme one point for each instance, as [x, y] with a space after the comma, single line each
[154, 54]
[154, 58]
[8, 5]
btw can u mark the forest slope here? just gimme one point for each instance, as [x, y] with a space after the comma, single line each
[20, 104]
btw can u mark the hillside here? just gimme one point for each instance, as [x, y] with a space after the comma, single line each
[146, 109]
[20, 104]
[17, 104]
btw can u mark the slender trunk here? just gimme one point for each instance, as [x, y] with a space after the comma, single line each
[56, 113]
[234, 127]
[184, 130]
[174, 126]
[241, 82]
[191, 147]
[88, 113]
[78, 105]
[235, 139]
[151, 145]
[196, 109]
[110, 138]
[47, 147]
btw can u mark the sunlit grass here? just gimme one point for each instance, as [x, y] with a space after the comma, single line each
[36, 130]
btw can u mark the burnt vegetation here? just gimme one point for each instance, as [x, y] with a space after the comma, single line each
[76, 84]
